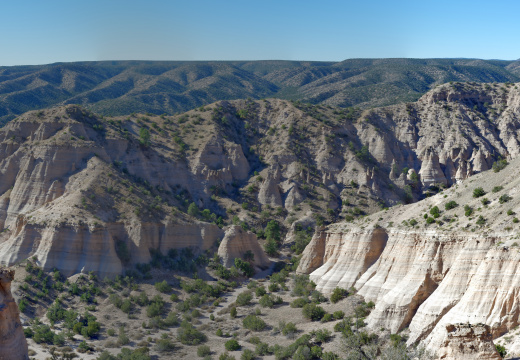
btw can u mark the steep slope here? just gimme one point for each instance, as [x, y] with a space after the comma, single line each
[12, 339]
[428, 272]
[121, 186]
[124, 87]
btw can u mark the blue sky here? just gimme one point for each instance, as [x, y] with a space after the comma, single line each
[40, 32]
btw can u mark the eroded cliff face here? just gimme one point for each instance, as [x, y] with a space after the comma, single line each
[124, 183]
[468, 342]
[421, 280]
[12, 339]
[237, 243]
[71, 196]
[461, 266]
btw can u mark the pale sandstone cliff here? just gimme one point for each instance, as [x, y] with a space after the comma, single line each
[12, 339]
[65, 173]
[236, 243]
[427, 277]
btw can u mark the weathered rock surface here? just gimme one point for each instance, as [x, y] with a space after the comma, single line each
[468, 342]
[236, 243]
[67, 174]
[12, 339]
[426, 277]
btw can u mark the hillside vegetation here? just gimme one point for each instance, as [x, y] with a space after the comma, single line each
[124, 87]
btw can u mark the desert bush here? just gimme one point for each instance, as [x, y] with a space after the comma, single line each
[289, 329]
[504, 198]
[338, 294]
[451, 205]
[122, 338]
[313, 312]
[163, 287]
[260, 291]
[323, 335]
[326, 318]
[338, 315]
[497, 189]
[232, 345]
[299, 303]
[203, 351]
[253, 322]
[244, 298]
[188, 335]
[247, 354]
[478, 192]
[233, 312]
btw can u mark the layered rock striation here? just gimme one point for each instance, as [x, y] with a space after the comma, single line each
[238, 243]
[461, 267]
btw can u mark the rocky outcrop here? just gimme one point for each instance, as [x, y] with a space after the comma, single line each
[468, 342]
[237, 243]
[425, 277]
[431, 172]
[269, 193]
[74, 249]
[12, 339]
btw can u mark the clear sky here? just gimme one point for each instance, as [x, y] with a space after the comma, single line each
[47, 31]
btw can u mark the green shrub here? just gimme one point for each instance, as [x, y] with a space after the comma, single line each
[299, 303]
[338, 294]
[193, 210]
[260, 291]
[430, 220]
[253, 322]
[485, 201]
[246, 268]
[323, 335]
[435, 211]
[164, 345]
[233, 312]
[478, 192]
[232, 345]
[244, 298]
[481, 220]
[247, 354]
[338, 315]
[501, 350]
[504, 198]
[163, 287]
[226, 356]
[499, 165]
[42, 334]
[326, 318]
[262, 349]
[188, 335]
[497, 189]
[289, 329]
[274, 287]
[123, 339]
[22, 305]
[313, 312]
[515, 220]
[203, 351]
[450, 205]
[510, 212]
[468, 210]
